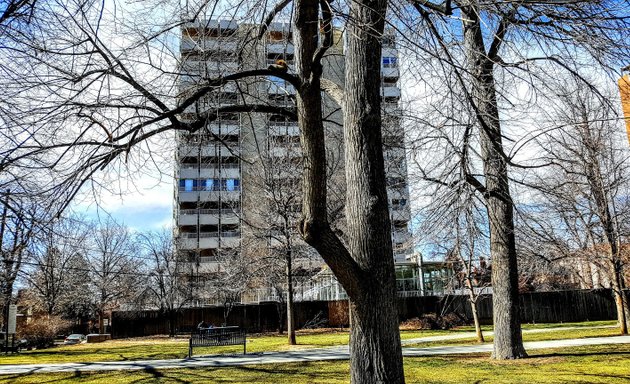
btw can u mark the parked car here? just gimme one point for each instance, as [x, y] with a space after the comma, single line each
[75, 338]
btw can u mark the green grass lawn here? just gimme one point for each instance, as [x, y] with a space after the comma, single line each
[165, 348]
[538, 336]
[592, 364]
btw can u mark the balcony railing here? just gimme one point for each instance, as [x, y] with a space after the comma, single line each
[205, 235]
[224, 211]
[235, 188]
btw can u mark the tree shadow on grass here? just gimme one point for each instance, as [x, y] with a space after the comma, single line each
[255, 373]
[581, 354]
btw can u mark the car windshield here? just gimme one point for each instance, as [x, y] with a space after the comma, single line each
[74, 337]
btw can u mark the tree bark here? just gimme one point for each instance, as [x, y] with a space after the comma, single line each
[508, 343]
[376, 355]
[365, 268]
[472, 298]
[290, 320]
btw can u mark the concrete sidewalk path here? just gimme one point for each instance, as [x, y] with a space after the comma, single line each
[472, 335]
[320, 354]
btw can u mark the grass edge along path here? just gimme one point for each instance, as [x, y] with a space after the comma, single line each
[589, 364]
[158, 349]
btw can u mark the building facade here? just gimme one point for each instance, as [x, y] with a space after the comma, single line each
[239, 178]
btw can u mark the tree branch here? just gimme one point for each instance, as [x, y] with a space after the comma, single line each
[333, 90]
[445, 8]
[277, 9]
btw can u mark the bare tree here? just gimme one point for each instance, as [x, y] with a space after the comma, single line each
[483, 47]
[273, 219]
[57, 268]
[584, 185]
[20, 222]
[232, 277]
[92, 112]
[115, 271]
[167, 288]
[466, 251]
[16, 10]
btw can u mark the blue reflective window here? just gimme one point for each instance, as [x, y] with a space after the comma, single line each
[188, 184]
[230, 184]
[389, 61]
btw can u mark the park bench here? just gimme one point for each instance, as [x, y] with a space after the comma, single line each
[216, 337]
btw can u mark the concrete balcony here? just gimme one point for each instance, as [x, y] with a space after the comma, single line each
[225, 171]
[391, 109]
[188, 171]
[230, 218]
[186, 219]
[401, 237]
[394, 154]
[397, 193]
[210, 24]
[184, 242]
[283, 129]
[390, 72]
[209, 196]
[280, 88]
[209, 171]
[188, 196]
[393, 129]
[389, 52]
[401, 214]
[231, 239]
[221, 128]
[208, 266]
[390, 91]
[208, 68]
[286, 151]
[231, 195]
[230, 150]
[197, 150]
[208, 240]
[230, 173]
[208, 219]
[216, 195]
[200, 43]
[280, 48]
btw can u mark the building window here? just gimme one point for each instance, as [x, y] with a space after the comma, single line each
[231, 185]
[390, 62]
[399, 203]
[211, 184]
[187, 185]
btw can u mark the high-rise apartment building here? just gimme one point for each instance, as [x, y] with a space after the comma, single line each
[241, 172]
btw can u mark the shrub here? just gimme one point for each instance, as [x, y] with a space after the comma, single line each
[450, 320]
[40, 332]
[430, 321]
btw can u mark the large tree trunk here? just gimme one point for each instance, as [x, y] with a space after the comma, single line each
[508, 343]
[366, 271]
[375, 339]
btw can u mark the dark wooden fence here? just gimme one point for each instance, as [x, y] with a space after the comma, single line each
[536, 307]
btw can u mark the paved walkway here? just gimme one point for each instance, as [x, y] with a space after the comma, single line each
[320, 354]
[472, 335]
